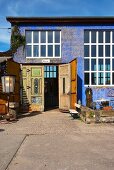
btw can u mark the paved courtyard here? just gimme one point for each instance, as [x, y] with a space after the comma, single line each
[54, 141]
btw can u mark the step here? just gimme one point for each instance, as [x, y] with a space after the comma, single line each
[73, 111]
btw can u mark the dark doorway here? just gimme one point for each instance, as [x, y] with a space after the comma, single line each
[50, 87]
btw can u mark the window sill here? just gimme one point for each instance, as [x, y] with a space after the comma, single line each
[42, 57]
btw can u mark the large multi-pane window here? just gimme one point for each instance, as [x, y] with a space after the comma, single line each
[99, 57]
[43, 44]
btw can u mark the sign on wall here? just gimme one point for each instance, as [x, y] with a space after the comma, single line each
[46, 61]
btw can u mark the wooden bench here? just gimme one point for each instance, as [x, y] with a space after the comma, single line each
[73, 112]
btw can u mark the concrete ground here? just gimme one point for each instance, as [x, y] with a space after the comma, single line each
[54, 141]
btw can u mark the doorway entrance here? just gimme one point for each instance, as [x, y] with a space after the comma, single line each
[50, 87]
[46, 87]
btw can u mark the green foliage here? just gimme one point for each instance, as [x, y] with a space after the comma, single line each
[17, 40]
[91, 114]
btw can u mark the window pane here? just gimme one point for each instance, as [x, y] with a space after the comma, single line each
[57, 36]
[51, 74]
[86, 50]
[100, 65]
[107, 36]
[57, 50]
[112, 50]
[107, 78]
[63, 85]
[47, 74]
[100, 51]
[51, 68]
[50, 50]
[36, 86]
[54, 74]
[36, 51]
[113, 64]
[93, 76]
[107, 50]
[47, 68]
[100, 78]
[50, 37]
[43, 37]
[93, 51]
[86, 36]
[54, 68]
[43, 50]
[93, 36]
[113, 36]
[112, 78]
[28, 36]
[28, 51]
[86, 64]
[93, 64]
[107, 64]
[35, 36]
[100, 36]
[86, 78]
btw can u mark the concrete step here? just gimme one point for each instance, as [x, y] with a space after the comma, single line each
[107, 119]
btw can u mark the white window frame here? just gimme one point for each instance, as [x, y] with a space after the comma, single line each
[46, 44]
[97, 57]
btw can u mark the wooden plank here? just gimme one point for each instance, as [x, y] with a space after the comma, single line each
[73, 83]
[64, 86]
[13, 68]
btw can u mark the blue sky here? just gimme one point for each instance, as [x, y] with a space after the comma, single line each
[39, 8]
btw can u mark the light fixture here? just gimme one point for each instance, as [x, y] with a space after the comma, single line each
[8, 83]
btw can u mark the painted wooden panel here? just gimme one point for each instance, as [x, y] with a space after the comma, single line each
[24, 72]
[73, 87]
[73, 83]
[36, 99]
[64, 86]
[34, 86]
[35, 71]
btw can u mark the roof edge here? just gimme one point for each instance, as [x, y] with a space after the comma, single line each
[61, 20]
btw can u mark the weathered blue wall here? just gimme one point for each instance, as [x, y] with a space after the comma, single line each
[72, 47]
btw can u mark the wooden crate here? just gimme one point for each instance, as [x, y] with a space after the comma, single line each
[3, 109]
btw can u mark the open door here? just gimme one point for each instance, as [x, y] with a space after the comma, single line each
[73, 98]
[68, 85]
[33, 88]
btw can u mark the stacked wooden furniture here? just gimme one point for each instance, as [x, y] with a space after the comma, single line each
[3, 108]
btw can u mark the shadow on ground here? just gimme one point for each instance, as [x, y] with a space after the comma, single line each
[29, 114]
[1, 130]
[75, 116]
